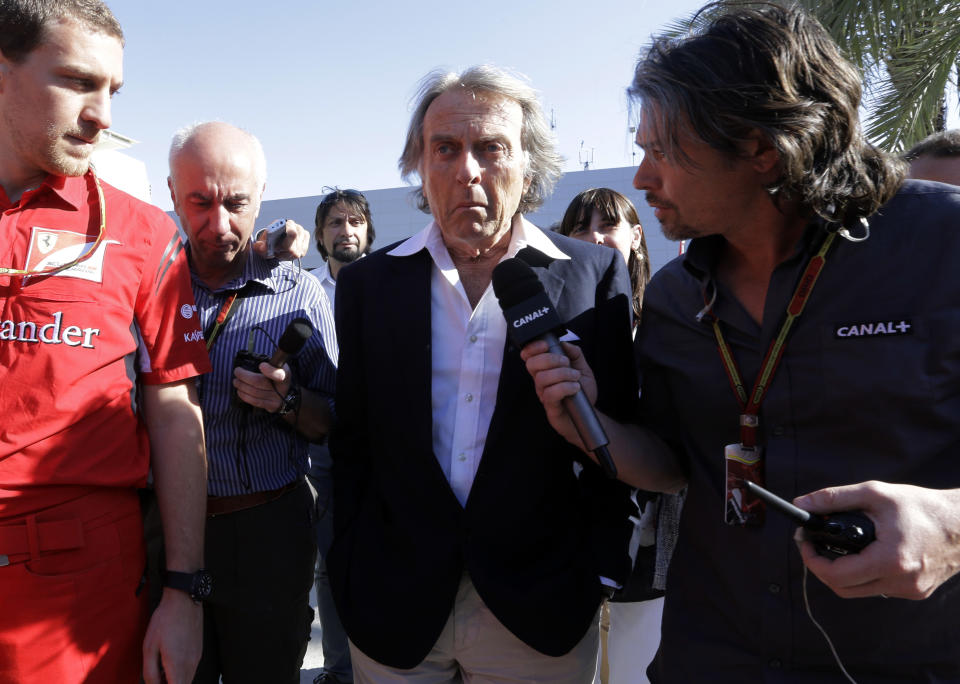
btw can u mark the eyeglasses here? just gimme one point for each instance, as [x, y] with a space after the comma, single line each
[84, 255]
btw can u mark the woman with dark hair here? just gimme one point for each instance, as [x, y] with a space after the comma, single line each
[605, 217]
[630, 621]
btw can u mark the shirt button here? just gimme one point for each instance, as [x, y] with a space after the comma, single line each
[469, 398]
[473, 338]
[462, 458]
[774, 588]
[779, 431]
[775, 663]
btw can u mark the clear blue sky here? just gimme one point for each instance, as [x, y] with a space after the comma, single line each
[327, 86]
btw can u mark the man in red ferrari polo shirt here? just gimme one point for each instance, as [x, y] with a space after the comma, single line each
[99, 343]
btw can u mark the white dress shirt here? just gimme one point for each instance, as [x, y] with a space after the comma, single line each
[466, 353]
[322, 274]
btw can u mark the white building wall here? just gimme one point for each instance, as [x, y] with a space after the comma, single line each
[396, 217]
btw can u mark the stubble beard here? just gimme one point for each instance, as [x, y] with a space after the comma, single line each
[57, 153]
[673, 228]
[675, 232]
[47, 155]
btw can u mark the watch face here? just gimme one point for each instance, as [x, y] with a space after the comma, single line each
[290, 402]
[202, 585]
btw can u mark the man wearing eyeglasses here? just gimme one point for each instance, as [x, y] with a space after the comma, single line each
[344, 233]
[99, 345]
[258, 419]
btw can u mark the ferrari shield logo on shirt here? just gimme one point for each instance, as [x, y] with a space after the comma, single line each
[51, 248]
[46, 241]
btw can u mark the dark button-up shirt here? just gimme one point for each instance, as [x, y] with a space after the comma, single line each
[869, 388]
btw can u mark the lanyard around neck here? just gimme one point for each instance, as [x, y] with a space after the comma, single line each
[84, 255]
[750, 405]
[226, 311]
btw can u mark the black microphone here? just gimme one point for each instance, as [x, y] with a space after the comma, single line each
[530, 316]
[291, 341]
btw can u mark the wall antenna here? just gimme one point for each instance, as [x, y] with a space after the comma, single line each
[585, 157]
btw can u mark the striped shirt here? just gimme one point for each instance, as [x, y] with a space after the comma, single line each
[248, 449]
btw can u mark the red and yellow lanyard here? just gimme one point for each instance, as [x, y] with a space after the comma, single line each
[222, 317]
[750, 405]
[84, 255]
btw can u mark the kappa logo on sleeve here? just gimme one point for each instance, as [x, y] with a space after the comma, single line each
[50, 248]
[873, 329]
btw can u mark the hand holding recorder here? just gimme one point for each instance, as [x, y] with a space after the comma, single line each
[267, 382]
[832, 534]
[283, 239]
[915, 550]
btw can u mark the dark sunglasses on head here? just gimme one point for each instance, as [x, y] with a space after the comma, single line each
[336, 194]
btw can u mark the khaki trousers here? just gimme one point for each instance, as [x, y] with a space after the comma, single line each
[475, 648]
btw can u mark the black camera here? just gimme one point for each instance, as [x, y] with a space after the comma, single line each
[833, 534]
[250, 361]
[837, 534]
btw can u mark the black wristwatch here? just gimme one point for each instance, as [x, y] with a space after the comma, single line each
[291, 402]
[198, 585]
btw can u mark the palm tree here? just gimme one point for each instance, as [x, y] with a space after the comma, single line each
[907, 51]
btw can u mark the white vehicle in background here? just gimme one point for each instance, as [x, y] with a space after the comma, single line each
[118, 169]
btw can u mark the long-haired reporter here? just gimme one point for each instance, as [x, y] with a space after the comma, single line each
[805, 340]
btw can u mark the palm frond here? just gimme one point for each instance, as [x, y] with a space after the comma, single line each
[909, 99]
[906, 51]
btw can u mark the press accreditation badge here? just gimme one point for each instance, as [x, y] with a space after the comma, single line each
[742, 463]
[51, 248]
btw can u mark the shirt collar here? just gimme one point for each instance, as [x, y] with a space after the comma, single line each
[257, 269]
[701, 255]
[323, 274]
[73, 190]
[700, 258]
[700, 261]
[524, 234]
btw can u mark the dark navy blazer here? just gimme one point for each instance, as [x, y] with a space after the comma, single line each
[533, 536]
